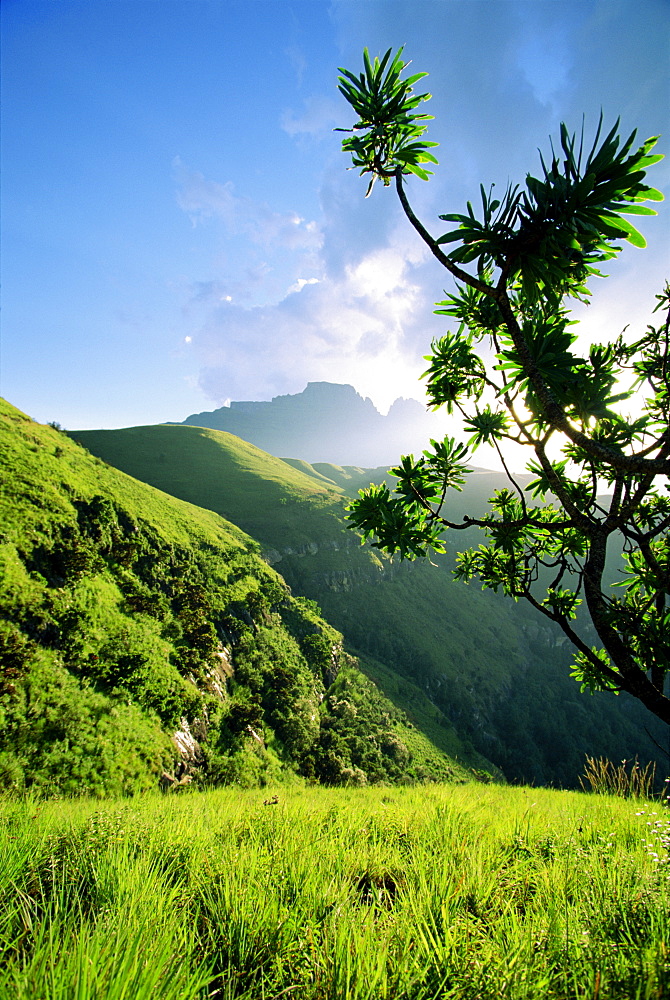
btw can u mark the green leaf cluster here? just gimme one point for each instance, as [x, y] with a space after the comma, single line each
[551, 237]
[406, 521]
[388, 133]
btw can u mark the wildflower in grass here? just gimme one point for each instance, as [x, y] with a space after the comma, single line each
[658, 848]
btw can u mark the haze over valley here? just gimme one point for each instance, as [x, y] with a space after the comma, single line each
[328, 423]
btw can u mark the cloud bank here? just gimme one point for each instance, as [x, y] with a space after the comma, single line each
[348, 296]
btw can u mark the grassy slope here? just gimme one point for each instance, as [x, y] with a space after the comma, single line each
[186, 462]
[116, 604]
[45, 468]
[286, 506]
[491, 670]
[292, 509]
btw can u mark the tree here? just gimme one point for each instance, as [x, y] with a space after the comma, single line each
[599, 477]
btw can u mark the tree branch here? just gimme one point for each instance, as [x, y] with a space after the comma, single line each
[552, 409]
[435, 248]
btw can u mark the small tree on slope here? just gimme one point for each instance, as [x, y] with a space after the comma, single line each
[517, 262]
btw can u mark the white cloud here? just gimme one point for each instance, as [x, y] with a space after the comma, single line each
[298, 285]
[319, 116]
[348, 297]
[360, 326]
[204, 199]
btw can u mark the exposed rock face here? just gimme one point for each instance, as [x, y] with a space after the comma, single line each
[190, 755]
[186, 743]
[308, 571]
[326, 423]
[220, 673]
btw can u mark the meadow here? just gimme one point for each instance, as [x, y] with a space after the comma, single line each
[460, 891]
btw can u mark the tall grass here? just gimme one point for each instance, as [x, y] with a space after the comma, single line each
[356, 894]
[628, 778]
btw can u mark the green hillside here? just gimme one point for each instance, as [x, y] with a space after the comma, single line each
[486, 668]
[279, 505]
[183, 460]
[141, 635]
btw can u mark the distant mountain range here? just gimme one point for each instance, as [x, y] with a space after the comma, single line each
[327, 422]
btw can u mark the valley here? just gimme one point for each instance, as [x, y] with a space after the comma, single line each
[482, 674]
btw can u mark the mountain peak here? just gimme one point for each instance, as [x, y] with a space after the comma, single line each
[326, 422]
[334, 389]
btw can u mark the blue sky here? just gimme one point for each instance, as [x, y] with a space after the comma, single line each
[180, 228]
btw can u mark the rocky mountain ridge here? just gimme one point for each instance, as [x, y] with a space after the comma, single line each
[326, 422]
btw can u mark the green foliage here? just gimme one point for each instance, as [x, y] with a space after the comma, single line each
[479, 674]
[389, 134]
[549, 238]
[125, 616]
[533, 250]
[515, 703]
[473, 891]
[361, 738]
[62, 737]
[403, 522]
